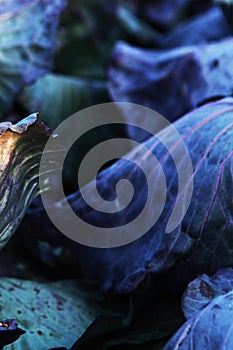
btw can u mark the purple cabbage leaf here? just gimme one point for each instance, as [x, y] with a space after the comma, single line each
[207, 305]
[200, 243]
[28, 30]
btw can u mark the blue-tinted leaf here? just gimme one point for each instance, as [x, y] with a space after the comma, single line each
[164, 79]
[202, 242]
[208, 305]
[53, 314]
[64, 96]
[209, 329]
[166, 13]
[204, 289]
[208, 26]
[27, 30]
[23, 125]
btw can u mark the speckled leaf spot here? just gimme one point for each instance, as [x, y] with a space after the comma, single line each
[52, 314]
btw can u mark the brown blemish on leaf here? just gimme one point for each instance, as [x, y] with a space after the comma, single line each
[206, 290]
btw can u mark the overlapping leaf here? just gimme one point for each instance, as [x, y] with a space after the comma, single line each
[204, 289]
[21, 147]
[52, 314]
[164, 79]
[84, 44]
[27, 30]
[55, 315]
[201, 242]
[167, 13]
[208, 306]
[208, 26]
[64, 96]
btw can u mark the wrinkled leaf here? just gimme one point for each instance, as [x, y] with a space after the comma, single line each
[204, 289]
[23, 124]
[210, 329]
[27, 42]
[164, 79]
[201, 242]
[208, 305]
[21, 146]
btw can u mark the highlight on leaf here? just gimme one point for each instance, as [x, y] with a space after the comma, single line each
[21, 147]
